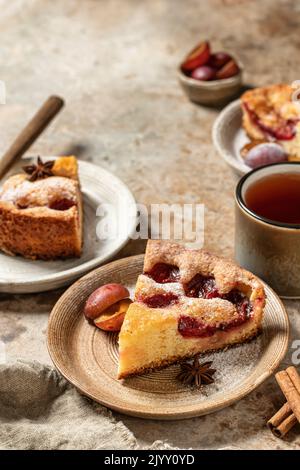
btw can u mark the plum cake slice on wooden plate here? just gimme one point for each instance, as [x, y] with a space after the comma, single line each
[187, 302]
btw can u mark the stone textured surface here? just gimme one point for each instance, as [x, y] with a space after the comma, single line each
[114, 62]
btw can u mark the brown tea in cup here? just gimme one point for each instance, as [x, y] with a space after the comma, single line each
[275, 197]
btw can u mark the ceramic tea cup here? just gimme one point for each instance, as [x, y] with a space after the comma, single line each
[268, 248]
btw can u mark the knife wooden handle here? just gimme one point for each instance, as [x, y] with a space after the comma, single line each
[31, 132]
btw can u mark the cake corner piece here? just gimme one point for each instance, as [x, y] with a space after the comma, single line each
[41, 212]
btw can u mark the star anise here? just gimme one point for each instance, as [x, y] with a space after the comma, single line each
[39, 170]
[196, 373]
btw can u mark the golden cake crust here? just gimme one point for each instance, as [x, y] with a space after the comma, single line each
[227, 274]
[272, 105]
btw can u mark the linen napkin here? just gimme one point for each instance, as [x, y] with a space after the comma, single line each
[39, 409]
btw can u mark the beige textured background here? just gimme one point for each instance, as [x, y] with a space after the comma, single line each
[114, 63]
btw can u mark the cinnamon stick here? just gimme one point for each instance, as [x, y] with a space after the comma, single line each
[289, 413]
[294, 376]
[282, 421]
[289, 389]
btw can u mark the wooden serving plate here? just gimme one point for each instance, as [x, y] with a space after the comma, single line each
[88, 357]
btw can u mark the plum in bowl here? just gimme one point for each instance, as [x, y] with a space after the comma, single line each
[210, 78]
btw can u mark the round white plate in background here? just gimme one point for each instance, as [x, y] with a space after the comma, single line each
[101, 189]
[229, 136]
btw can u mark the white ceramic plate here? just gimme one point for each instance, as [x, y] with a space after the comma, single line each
[99, 187]
[229, 136]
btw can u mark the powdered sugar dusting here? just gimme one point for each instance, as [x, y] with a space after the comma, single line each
[233, 365]
[20, 191]
[174, 287]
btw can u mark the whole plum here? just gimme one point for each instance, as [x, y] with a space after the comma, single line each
[205, 72]
[219, 59]
[264, 154]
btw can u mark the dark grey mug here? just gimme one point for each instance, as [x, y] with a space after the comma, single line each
[269, 249]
